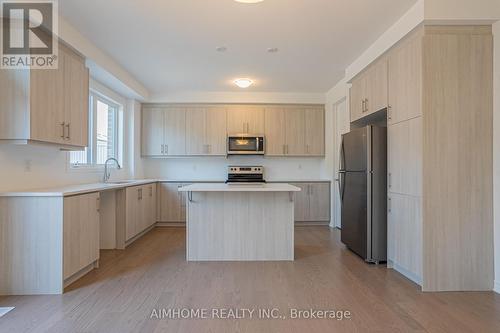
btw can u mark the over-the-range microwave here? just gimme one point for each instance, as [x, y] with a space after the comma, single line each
[245, 144]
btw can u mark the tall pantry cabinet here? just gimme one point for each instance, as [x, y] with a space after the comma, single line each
[439, 116]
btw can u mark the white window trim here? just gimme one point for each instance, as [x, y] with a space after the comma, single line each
[99, 168]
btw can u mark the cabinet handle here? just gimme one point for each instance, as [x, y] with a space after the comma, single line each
[287, 152]
[389, 112]
[166, 149]
[363, 106]
[162, 149]
[151, 191]
[390, 180]
[366, 105]
[98, 204]
[307, 149]
[139, 193]
[63, 131]
[389, 206]
[68, 126]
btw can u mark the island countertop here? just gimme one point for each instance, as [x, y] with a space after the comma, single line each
[215, 187]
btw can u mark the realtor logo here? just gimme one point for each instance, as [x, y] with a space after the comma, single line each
[29, 34]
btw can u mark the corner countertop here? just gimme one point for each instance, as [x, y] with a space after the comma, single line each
[78, 189]
[215, 187]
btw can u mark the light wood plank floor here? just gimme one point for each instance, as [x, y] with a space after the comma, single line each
[152, 273]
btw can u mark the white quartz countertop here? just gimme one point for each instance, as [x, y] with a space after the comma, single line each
[77, 189]
[216, 187]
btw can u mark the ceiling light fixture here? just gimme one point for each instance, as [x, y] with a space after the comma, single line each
[272, 50]
[248, 1]
[243, 83]
[221, 49]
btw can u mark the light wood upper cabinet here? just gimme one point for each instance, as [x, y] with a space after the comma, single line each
[196, 131]
[201, 130]
[216, 130]
[357, 97]
[295, 131]
[369, 90]
[275, 131]
[49, 106]
[80, 232]
[175, 132]
[315, 132]
[245, 119]
[405, 80]
[163, 131]
[206, 131]
[153, 131]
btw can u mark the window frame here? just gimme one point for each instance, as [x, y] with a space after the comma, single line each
[94, 97]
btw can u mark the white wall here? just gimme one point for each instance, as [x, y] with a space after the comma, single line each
[496, 155]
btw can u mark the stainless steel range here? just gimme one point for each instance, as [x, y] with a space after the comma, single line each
[245, 175]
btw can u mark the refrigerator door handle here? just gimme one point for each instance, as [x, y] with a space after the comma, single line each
[341, 185]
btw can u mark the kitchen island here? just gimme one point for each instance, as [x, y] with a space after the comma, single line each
[240, 222]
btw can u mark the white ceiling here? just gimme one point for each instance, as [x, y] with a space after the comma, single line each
[169, 45]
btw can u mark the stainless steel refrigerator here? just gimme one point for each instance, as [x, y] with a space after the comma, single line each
[363, 192]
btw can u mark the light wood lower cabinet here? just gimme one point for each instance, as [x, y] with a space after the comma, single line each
[140, 207]
[312, 204]
[404, 234]
[171, 203]
[80, 232]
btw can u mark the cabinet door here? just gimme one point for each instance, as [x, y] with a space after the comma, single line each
[236, 120]
[152, 131]
[76, 95]
[80, 232]
[301, 203]
[357, 97]
[243, 119]
[216, 131]
[133, 211]
[170, 202]
[175, 131]
[319, 196]
[405, 157]
[404, 233]
[376, 87]
[196, 143]
[315, 132]
[295, 129]
[275, 131]
[405, 80]
[47, 115]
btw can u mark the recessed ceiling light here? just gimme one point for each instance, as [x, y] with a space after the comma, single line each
[221, 49]
[272, 50]
[248, 1]
[243, 82]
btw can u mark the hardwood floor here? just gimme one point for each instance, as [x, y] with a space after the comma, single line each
[153, 274]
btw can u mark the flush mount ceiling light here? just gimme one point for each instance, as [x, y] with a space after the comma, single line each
[221, 49]
[272, 50]
[243, 83]
[248, 1]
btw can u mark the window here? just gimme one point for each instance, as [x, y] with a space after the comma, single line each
[103, 133]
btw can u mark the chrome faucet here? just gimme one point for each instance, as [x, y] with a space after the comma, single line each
[107, 173]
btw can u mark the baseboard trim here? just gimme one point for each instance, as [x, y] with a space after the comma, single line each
[406, 273]
[496, 287]
[170, 224]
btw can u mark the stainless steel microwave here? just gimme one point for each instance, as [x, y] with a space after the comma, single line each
[245, 144]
